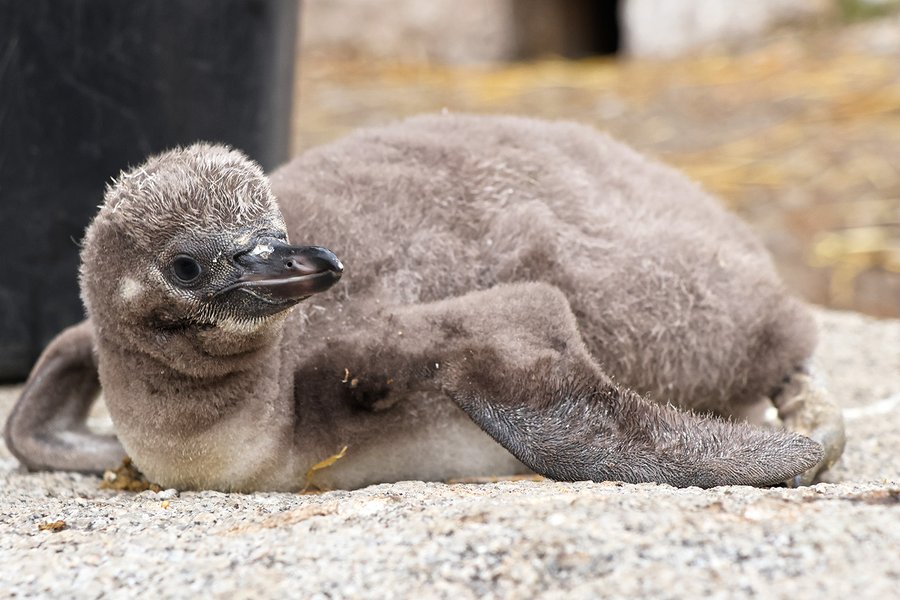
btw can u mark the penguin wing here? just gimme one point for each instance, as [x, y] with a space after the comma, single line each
[585, 427]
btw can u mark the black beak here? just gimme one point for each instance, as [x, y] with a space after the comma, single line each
[279, 273]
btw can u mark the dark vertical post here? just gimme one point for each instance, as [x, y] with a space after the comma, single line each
[89, 87]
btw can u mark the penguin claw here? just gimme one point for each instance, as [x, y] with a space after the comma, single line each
[806, 408]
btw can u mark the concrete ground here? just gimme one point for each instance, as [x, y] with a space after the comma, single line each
[507, 540]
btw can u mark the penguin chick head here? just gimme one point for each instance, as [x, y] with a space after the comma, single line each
[189, 259]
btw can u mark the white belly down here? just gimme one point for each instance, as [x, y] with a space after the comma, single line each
[435, 445]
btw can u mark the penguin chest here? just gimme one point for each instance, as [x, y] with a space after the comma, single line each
[231, 456]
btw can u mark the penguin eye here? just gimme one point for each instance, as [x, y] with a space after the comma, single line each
[186, 269]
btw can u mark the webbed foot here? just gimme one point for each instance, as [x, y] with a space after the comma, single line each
[805, 407]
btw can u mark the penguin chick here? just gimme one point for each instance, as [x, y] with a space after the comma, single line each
[521, 295]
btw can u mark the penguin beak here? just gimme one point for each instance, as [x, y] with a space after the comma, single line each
[279, 273]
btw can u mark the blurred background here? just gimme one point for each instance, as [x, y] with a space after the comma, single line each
[787, 110]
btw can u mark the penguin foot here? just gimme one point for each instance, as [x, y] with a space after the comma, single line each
[805, 407]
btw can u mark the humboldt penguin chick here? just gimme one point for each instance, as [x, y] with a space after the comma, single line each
[520, 295]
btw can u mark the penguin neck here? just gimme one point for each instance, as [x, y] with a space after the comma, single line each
[194, 384]
[183, 430]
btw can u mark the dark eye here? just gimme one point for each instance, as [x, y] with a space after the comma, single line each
[186, 269]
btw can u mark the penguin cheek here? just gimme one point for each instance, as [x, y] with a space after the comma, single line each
[130, 289]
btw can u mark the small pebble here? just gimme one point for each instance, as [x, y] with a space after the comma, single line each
[167, 494]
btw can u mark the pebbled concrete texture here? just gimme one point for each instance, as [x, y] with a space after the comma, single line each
[512, 539]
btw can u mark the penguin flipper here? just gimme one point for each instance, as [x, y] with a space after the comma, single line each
[46, 429]
[583, 427]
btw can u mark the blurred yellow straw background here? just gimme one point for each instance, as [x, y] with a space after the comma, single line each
[799, 134]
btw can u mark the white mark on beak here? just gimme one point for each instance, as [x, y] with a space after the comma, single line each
[263, 251]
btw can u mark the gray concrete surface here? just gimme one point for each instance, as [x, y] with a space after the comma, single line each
[504, 540]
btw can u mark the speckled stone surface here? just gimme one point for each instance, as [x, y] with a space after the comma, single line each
[505, 540]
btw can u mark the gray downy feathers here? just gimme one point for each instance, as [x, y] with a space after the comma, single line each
[519, 295]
